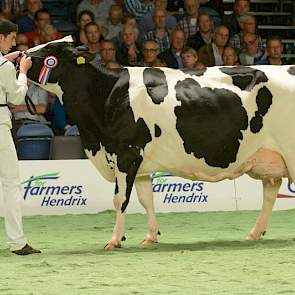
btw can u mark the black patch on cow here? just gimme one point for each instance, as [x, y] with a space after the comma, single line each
[158, 131]
[245, 77]
[291, 70]
[156, 84]
[124, 136]
[194, 72]
[116, 186]
[210, 122]
[264, 101]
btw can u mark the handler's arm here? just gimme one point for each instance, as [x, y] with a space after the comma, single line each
[16, 88]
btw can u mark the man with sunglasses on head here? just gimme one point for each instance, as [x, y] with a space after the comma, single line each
[12, 90]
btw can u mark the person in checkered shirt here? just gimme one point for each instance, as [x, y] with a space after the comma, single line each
[138, 8]
[189, 23]
[160, 33]
[248, 25]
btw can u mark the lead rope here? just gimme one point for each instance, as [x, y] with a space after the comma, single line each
[30, 105]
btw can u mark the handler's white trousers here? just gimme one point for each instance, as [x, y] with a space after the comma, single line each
[10, 180]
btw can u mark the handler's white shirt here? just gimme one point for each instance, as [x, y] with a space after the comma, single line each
[11, 90]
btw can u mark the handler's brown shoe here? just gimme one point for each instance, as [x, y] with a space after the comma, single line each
[26, 250]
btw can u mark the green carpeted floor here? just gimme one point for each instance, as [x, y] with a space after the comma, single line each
[198, 253]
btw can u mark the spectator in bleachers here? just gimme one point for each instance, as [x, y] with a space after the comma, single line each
[274, 50]
[39, 97]
[189, 23]
[92, 33]
[26, 23]
[127, 20]
[229, 56]
[214, 8]
[42, 18]
[21, 39]
[190, 59]
[150, 50]
[49, 33]
[58, 118]
[128, 54]
[100, 8]
[107, 52]
[21, 114]
[248, 25]
[159, 33]
[172, 56]
[211, 54]
[11, 9]
[240, 7]
[138, 8]
[204, 35]
[113, 23]
[175, 6]
[251, 54]
[146, 24]
[84, 17]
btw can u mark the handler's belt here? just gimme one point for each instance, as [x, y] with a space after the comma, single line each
[3, 105]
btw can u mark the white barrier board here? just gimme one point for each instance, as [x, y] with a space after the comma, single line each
[76, 187]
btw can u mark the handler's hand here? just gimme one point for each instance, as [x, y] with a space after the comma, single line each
[25, 64]
[13, 55]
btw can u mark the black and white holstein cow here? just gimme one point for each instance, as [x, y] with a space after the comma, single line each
[207, 125]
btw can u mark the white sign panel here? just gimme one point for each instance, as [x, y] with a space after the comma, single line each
[249, 194]
[175, 194]
[76, 187]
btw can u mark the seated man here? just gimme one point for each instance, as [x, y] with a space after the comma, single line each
[150, 50]
[172, 56]
[21, 114]
[204, 35]
[107, 52]
[274, 50]
[251, 54]
[211, 54]
[230, 56]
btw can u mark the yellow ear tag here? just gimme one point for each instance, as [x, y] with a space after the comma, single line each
[80, 60]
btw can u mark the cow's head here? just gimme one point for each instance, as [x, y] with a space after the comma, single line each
[52, 61]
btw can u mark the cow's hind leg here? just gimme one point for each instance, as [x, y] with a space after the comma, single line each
[144, 191]
[270, 191]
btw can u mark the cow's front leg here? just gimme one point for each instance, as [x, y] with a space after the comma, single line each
[125, 175]
[144, 191]
[270, 191]
[118, 201]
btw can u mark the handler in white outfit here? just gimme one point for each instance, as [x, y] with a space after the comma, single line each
[12, 90]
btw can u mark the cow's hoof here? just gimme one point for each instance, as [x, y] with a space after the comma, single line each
[255, 237]
[252, 237]
[111, 245]
[148, 242]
